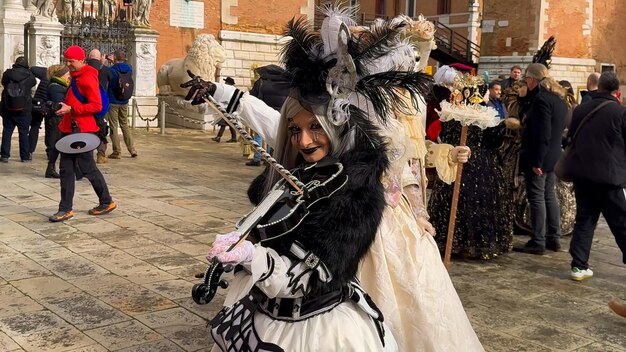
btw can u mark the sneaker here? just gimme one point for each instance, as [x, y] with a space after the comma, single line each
[578, 274]
[531, 248]
[553, 245]
[4, 160]
[216, 139]
[101, 159]
[114, 156]
[133, 154]
[51, 173]
[103, 209]
[61, 216]
[253, 163]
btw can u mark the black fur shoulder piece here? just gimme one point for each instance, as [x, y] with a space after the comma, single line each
[341, 231]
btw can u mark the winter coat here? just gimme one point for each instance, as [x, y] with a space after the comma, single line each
[543, 129]
[41, 73]
[588, 95]
[57, 90]
[105, 77]
[115, 70]
[599, 154]
[18, 73]
[87, 83]
[272, 86]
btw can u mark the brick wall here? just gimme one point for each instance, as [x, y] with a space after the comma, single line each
[571, 69]
[173, 42]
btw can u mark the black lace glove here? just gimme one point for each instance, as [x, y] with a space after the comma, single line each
[199, 89]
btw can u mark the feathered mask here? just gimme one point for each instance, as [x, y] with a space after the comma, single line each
[343, 65]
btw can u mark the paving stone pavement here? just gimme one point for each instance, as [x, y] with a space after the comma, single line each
[122, 281]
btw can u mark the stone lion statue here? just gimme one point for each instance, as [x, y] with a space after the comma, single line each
[204, 58]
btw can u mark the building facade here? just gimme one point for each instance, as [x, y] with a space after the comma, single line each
[587, 33]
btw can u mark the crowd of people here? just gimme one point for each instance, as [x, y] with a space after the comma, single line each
[347, 244]
[396, 254]
[82, 95]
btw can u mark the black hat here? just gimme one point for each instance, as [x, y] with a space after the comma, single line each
[229, 80]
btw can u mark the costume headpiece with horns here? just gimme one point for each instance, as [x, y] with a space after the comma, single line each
[352, 68]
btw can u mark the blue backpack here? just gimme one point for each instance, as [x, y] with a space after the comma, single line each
[103, 95]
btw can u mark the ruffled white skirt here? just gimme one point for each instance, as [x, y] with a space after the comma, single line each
[345, 328]
[404, 275]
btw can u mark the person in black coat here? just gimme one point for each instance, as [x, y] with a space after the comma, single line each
[16, 117]
[272, 88]
[540, 150]
[41, 94]
[57, 89]
[597, 164]
[105, 76]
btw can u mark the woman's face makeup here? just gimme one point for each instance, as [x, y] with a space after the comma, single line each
[307, 135]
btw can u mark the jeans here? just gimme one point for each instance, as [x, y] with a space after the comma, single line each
[102, 134]
[33, 133]
[87, 166]
[259, 140]
[52, 136]
[591, 200]
[545, 214]
[118, 118]
[20, 120]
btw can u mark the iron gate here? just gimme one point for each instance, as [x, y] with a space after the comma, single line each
[92, 28]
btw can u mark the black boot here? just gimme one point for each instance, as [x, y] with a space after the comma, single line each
[51, 173]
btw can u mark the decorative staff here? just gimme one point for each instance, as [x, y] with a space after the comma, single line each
[465, 108]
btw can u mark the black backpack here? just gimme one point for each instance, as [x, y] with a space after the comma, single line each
[124, 87]
[17, 95]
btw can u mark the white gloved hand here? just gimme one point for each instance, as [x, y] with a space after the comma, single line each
[460, 154]
[425, 226]
[243, 253]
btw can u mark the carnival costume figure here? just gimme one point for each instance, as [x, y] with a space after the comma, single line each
[518, 99]
[484, 223]
[298, 291]
[403, 271]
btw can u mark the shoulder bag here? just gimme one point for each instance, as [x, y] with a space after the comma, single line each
[562, 169]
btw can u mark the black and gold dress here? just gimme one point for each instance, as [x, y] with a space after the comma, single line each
[484, 220]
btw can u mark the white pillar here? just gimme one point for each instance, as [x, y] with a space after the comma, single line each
[44, 41]
[143, 61]
[13, 16]
[474, 22]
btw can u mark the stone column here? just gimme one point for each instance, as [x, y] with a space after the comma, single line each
[143, 61]
[13, 16]
[44, 41]
[474, 24]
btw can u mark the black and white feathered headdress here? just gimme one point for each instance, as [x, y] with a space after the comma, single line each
[345, 66]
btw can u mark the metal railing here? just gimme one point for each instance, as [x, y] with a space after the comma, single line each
[449, 42]
[456, 45]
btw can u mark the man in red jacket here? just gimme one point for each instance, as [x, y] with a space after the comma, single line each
[86, 78]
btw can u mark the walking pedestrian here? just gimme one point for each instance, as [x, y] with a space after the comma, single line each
[597, 164]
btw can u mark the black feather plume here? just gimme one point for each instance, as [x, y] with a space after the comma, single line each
[382, 89]
[544, 55]
[301, 57]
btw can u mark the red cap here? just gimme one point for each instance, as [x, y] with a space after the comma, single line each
[74, 52]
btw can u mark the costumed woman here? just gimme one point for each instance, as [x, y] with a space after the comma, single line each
[518, 100]
[403, 271]
[484, 223]
[298, 292]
